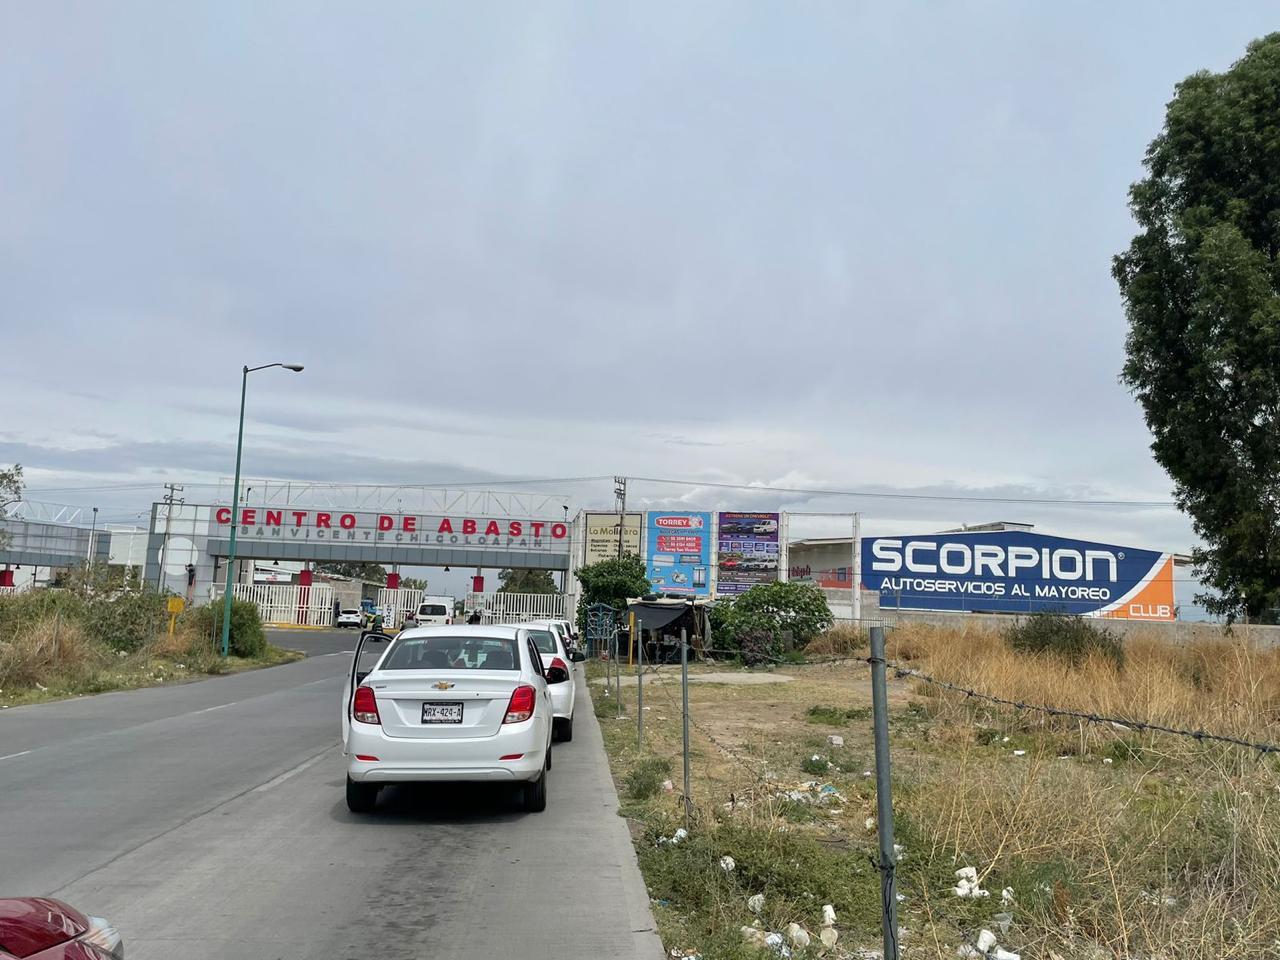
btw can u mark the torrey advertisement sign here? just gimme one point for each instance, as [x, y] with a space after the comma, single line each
[1019, 572]
[678, 552]
[747, 551]
[391, 529]
[602, 535]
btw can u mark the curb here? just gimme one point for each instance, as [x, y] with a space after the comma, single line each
[294, 626]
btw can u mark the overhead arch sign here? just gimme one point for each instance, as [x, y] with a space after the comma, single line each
[392, 529]
[1018, 572]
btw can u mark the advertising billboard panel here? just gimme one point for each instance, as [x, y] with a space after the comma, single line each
[602, 535]
[678, 552]
[747, 551]
[1018, 572]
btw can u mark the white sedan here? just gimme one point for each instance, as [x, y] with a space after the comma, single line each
[447, 703]
[559, 660]
[349, 618]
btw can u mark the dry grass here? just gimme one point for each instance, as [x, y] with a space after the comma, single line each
[843, 640]
[1116, 844]
[46, 652]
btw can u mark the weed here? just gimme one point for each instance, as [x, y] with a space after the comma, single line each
[644, 779]
[814, 763]
[1072, 639]
[836, 716]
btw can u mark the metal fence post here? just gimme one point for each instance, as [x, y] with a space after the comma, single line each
[639, 693]
[684, 696]
[884, 799]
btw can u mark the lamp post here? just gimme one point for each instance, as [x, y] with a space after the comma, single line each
[235, 500]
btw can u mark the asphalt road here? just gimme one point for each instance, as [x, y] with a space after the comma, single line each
[207, 820]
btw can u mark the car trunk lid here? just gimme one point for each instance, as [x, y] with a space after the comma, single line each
[482, 694]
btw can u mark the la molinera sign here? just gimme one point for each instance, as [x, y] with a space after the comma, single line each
[392, 529]
[1019, 572]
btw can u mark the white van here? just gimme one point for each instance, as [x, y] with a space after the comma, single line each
[434, 611]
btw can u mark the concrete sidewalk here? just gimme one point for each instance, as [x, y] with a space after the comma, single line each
[284, 872]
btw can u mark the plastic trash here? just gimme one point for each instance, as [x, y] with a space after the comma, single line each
[829, 936]
[1006, 897]
[755, 902]
[798, 936]
[1003, 920]
[774, 942]
[967, 951]
[986, 940]
[1000, 953]
[815, 758]
[753, 935]
[1019, 753]
[967, 873]
[668, 786]
[835, 740]
[828, 915]
[870, 823]
[727, 864]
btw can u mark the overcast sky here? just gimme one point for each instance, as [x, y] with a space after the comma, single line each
[851, 245]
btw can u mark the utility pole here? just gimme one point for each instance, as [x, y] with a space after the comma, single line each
[620, 507]
[884, 800]
[170, 499]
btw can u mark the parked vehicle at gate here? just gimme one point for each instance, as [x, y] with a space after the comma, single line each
[559, 660]
[349, 618]
[432, 611]
[447, 703]
[40, 928]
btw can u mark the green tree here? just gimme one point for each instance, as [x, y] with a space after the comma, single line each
[526, 581]
[412, 583]
[1200, 290]
[10, 493]
[611, 581]
[373, 572]
[773, 610]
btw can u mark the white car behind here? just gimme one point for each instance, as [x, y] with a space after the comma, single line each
[560, 662]
[447, 703]
[349, 618]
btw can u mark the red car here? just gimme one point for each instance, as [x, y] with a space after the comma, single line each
[37, 928]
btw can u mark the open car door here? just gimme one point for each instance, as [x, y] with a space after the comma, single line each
[369, 651]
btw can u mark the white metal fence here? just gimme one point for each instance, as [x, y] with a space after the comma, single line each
[289, 603]
[517, 607]
[397, 605]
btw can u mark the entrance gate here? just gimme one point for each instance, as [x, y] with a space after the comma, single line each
[288, 603]
[397, 605]
[501, 607]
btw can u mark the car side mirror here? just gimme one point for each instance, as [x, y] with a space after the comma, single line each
[557, 675]
[577, 656]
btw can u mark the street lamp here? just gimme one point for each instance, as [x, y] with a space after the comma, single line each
[235, 500]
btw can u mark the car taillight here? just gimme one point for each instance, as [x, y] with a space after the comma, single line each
[557, 662]
[521, 706]
[365, 708]
[448, 621]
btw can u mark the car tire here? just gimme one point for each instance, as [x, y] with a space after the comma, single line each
[565, 733]
[361, 797]
[535, 794]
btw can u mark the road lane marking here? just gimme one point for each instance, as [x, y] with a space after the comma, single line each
[218, 707]
[12, 755]
[276, 781]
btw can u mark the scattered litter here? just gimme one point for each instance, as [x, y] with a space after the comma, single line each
[898, 851]
[828, 915]
[774, 942]
[1000, 953]
[985, 947]
[1157, 899]
[753, 935]
[829, 936]
[668, 786]
[815, 758]
[660, 717]
[1019, 753]
[1107, 760]
[798, 936]
[661, 903]
[835, 740]
[1004, 739]
[727, 864]
[676, 837]
[901, 897]
[968, 884]
[870, 823]
[646, 708]
[1004, 921]
[867, 773]
[41, 687]
[1006, 897]
[967, 951]
[986, 940]
[755, 902]
[811, 791]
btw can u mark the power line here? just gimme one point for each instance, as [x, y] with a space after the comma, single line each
[950, 498]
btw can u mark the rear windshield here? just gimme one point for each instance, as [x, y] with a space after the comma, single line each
[543, 640]
[433, 610]
[349, 613]
[453, 653]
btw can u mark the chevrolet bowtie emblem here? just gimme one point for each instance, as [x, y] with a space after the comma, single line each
[443, 685]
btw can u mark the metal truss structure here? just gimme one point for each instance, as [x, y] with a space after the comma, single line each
[411, 499]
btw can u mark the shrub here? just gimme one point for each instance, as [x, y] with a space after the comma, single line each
[842, 640]
[127, 621]
[21, 610]
[835, 716]
[247, 637]
[758, 646]
[50, 650]
[644, 780]
[1068, 638]
[780, 610]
